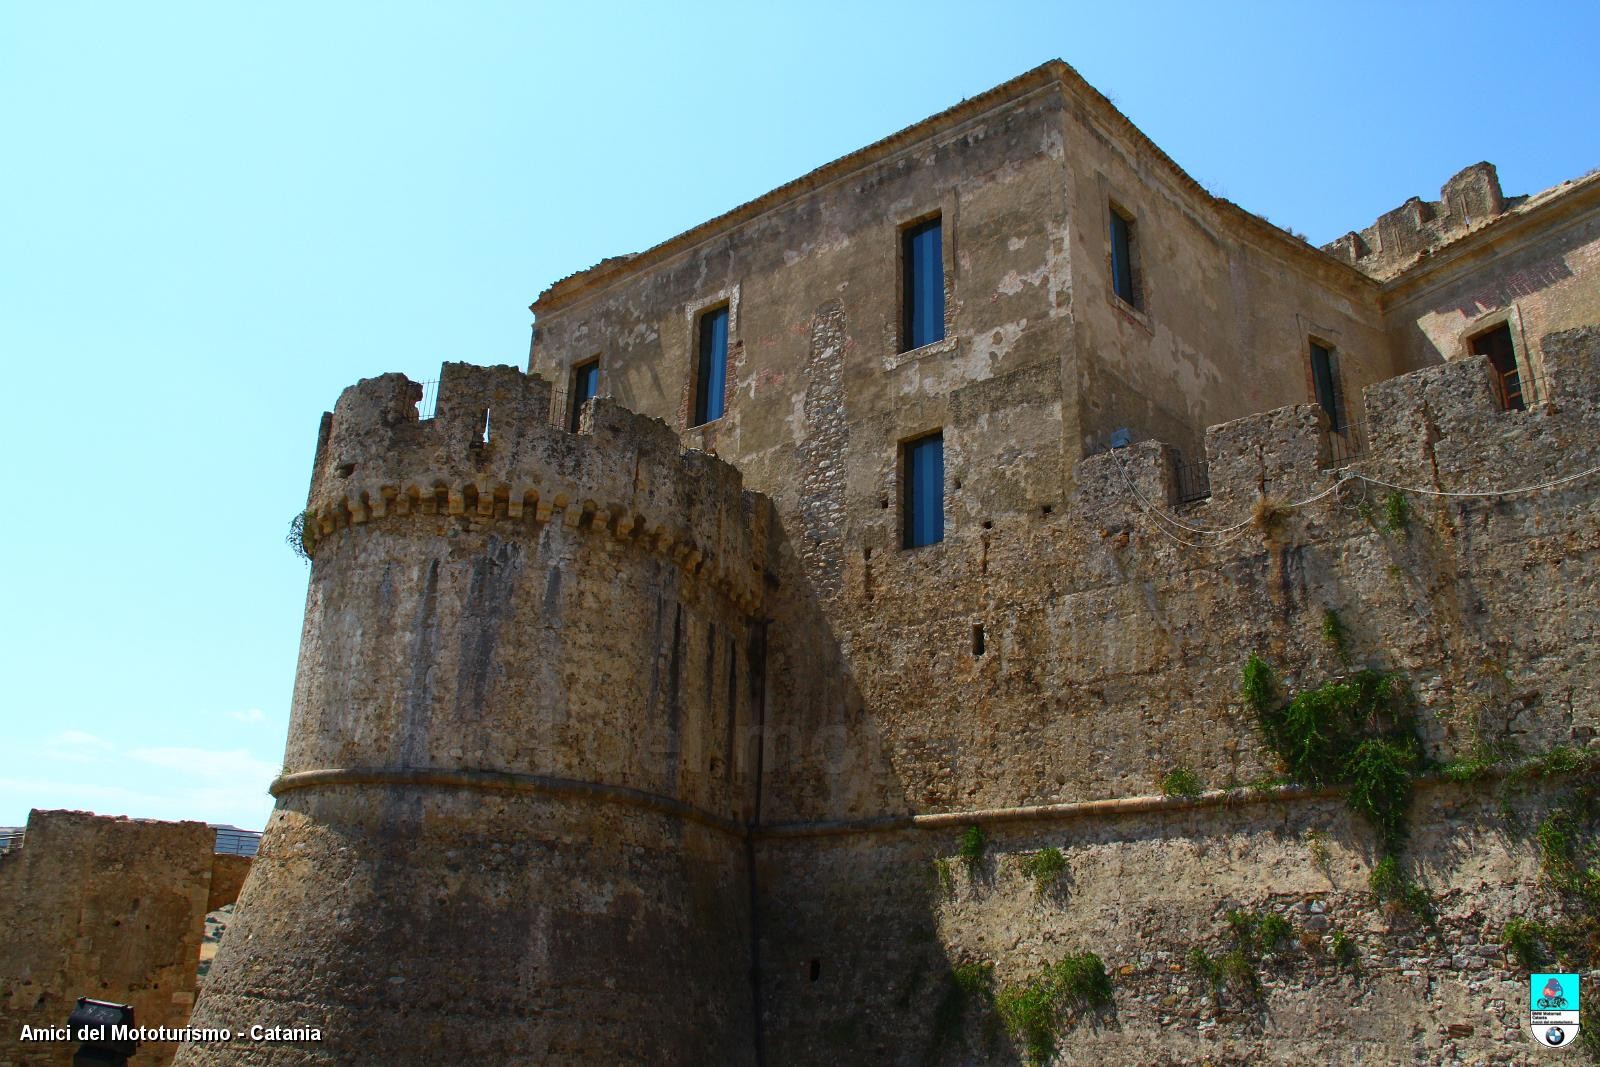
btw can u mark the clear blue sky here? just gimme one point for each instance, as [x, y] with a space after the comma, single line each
[217, 216]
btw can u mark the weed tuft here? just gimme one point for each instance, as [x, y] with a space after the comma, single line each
[1524, 942]
[1343, 949]
[1395, 888]
[1257, 685]
[1182, 782]
[1045, 867]
[971, 848]
[296, 537]
[1336, 635]
[1317, 845]
[1034, 1011]
[1359, 731]
[1270, 515]
[1396, 514]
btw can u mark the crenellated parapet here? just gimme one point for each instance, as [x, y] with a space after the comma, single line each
[1438, 430]
[1471, 198]
[492, 453]
[530, 665]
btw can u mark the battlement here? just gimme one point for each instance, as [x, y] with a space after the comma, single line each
[1440, 429]
[491, 453]
[1469, 199]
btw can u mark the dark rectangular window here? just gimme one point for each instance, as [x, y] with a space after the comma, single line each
[585, 383]
[924, 490]
[1322, 382]
[1496, 344]
[922, 256]
[1122, 258]
[711, 374]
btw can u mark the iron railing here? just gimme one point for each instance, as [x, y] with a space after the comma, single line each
[428, 406]
[1193, 481]
[1343, 442]
[236, 842]
[1516, 391]
[230, 840]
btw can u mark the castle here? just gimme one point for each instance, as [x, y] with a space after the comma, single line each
[838, 646]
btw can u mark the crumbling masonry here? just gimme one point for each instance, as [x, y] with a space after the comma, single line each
[634, 740]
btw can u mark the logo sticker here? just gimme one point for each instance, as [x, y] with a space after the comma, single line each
[1553, 1008]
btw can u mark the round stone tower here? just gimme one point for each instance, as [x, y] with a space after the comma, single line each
[509, 825]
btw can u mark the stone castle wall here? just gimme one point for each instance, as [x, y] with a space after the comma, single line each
[510, 815]
[514, 767]
[1112, 656]
[110, 909]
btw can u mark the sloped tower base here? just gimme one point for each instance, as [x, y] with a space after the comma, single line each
[510, 824]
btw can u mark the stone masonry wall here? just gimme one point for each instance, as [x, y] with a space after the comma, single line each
[1534, 270]
[111, 909]
[1112, 656]
[510, 819]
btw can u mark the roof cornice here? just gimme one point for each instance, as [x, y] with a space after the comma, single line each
[1560, 205]
[573, 288]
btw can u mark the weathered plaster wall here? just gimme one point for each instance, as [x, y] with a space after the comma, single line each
[819, 395]
[511, 809]
[112, 909]
[1537, 269]
[1226, 301]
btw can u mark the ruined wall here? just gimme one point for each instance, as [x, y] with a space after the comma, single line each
[1537, 269]
[1112, 657]
[1470, 200]
[509, 820]
[111, 909]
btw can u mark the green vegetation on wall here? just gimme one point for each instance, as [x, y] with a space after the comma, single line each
[1359, 731]
[1035, 1011]
[1182, 782]
[1045, 867]
[971, 847]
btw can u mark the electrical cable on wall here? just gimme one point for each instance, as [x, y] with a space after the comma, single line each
[1345, 476]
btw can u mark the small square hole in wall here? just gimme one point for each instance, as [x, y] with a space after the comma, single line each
[866, 553]
[988, 524]
[1046, 509]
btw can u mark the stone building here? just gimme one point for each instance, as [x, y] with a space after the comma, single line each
[891, 654]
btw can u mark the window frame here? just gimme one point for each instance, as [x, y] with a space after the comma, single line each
[706, 371]
[922, 495]
[1339, 417]
[1502, 396]
[1129, 257]
[575, 400]
[910, 289]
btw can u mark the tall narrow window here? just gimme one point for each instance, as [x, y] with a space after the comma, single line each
[923, 462]
[585, 384]
[1496, 344]
[1122, 258]
[1322, 381]
[711, 374]
[922, 259]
